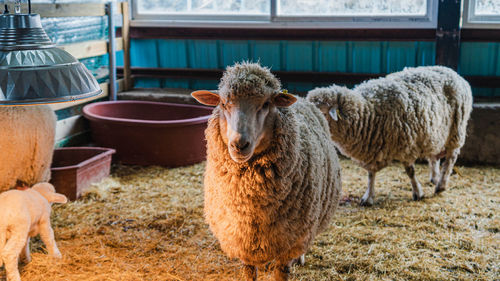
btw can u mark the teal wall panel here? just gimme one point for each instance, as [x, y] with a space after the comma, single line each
[203, 54]
[398, 55]
[268, 53]
[233, 51]
[298, 56]
[144, 53]
[325, 56]
[172, 54]
[332, 56]
[426, 53]
[366, 57]
[477, 58]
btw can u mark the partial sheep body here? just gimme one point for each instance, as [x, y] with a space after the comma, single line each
[272, 206]
[26, 214]
[26, 144]
[416, 113]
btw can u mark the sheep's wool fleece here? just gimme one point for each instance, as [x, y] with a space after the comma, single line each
[26, 144]
[272, 206]
[416, 113]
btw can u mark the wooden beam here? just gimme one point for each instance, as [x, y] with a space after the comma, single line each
[448, 33]
[126, 47]
[282, 34]
[105, 93]
[70, 126]
[69, 9]
[89, 49]
[290, 76]
[479, 35]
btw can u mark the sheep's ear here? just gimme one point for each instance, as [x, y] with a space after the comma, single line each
[333, 113]
[58, 198]
[284, 99]
[206, 97]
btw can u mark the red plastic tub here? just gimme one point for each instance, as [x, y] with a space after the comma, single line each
[75, 168]
[150, 133]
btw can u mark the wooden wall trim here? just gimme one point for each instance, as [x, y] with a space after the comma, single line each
[479, 35]
[282, 34]
[289, 76]
[69, 9]
[105, 93]
[89, 49]
[467, 34]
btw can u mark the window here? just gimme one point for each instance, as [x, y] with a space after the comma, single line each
[351, 7]
[204, 7]
[482, 13]
[288, 13]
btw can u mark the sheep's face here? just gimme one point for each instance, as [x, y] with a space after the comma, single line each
[326, 99]
[246, 123]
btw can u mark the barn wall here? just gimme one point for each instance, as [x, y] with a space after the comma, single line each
[328, 56]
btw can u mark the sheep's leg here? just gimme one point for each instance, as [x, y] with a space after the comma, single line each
[281, 271]
[47, 235]
[434, 170]
[367, 199]
[300, 260]
[25, 254]
[10, 255]
[418, 193]
[250, 272]
[3, 239]
[448, 164]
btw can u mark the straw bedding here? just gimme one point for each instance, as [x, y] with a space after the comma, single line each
[146, 223]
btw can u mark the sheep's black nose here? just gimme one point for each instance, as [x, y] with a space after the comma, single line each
[240, 144]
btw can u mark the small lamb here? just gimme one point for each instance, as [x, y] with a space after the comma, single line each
[26, 213]
[416, 113]
[272, 180]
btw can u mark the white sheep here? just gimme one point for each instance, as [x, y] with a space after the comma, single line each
[416, 113]
[25, 214]
[272, 179]
[26, 144]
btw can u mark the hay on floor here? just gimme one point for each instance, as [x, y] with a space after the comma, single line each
[146, 223]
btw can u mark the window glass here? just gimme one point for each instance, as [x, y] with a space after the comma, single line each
[352, 7]
[487, 7]
[205, 7]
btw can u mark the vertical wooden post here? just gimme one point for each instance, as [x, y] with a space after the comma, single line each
[448, 33]
[126, 47]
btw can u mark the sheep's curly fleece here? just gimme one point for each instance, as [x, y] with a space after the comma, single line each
[417, 113]
[26, 144]
[272, 206]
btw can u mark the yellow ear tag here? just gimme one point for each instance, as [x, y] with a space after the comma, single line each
[285, 91]
[338, 114]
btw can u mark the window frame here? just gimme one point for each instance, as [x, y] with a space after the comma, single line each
[470, 20]
[272, 20]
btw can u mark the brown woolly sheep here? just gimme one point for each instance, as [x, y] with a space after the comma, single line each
[272, 180]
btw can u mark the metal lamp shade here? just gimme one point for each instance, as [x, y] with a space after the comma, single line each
[33, 70]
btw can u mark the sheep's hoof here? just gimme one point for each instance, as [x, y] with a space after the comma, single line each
[417, 197]
[434, 181]
[281, 272]
[366, 202]
[299, 261]
[439, 189]
[250, 272]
